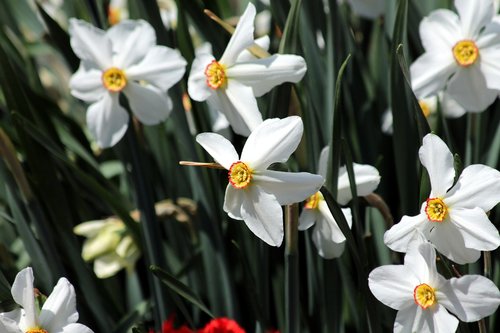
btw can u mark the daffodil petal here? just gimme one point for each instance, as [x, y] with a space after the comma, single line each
[148, 103]
[322, 238]
[244, 104]
[273, 141]
[438, 160]
[393, 285]
[420, 258]
[430, 72]
[366, 177]
[107, 265]
[59, 309]
[476, 229]
[489, 67]
[107, 120]
[406, 318]
[288, 187]
[24, 295]
[86, 83]
[474, 15]
[477, 186]
[8, 325]
[450, 107]
[131, 41]
[220, 148]
[307, 218]
[400, 234]
[241, 38]
[440, 30]
[162, 67]
[470, 297]
[246, 55]
[450, 242]
[264, 74]
[323, 161]
[336, 234]
[198, 88]
[90, 43]
[89, 228]
[436, 320]
[76, 328]
[468, 87]
[233, 200]
[263, 215]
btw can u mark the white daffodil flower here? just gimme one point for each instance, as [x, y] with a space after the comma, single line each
[109, 245]
[461, 55]
[123, 59]
[255, 194]
[327, 236]
[231, 83]
[424, 298]
[58, 313]
[453, 218]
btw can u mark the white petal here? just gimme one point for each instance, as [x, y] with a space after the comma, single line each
[438, 160]
[241, 38]
[273, 141]
[430, 72]
[406, 318]
[450, 107]
[440, 30]
[246, 55]
[476, 229]
[393, 285]
[323, 162]
[90, 43]
[477, 186]
[8, 325]
[86, 83]
[107, 120]
[442, 320]
[107, 265]
[221, 103]
[474, 15]
[219, 148]
[162, 67]
[468, 87]
[264, 74]
[421, 260]
[400, 234]
[366, 178]
[415, 319]
[59, 309]
[288, 187]
[148, 103]
[307, 218]
[336, 234]
[131, 41]
[198, 88]
[233, 201]
[263, 215]
[76, 328]
[244, 103]
[89, 228]
[23, 294]
[322, 237]
[450, 242]
[470, 297]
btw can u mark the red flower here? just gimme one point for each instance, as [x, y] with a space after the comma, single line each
[222, 325]
[168, 327]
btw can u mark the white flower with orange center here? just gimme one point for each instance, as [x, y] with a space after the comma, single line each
[327, 236]
[424, 298]
[231, 83]
[454, 217]
[255, 194]
[461, 55]
[58, 313]
[125, 59]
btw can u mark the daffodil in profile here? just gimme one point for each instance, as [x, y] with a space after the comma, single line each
[425, 300]
[461, 55]
[255, 194]
[327, 237]
[57, 315]
[453, 218]
[125, 59]
[231, 83]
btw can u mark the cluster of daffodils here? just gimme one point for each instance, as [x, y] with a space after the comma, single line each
[454, 221]
[58, 313]
[461, 52]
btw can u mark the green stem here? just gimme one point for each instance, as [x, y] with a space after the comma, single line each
[292, 269]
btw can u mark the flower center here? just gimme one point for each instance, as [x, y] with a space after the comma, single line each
[36, 330]
[426, 110]
[424, 296]
[436, 209]
[465, 52]
[114, 79]
[216, 75]
[240, 175]
[313, 201]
